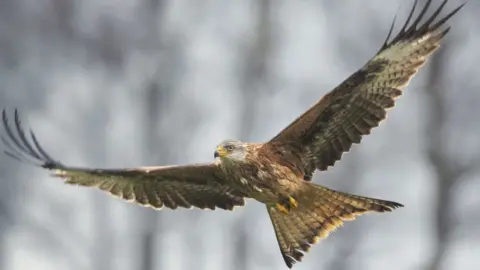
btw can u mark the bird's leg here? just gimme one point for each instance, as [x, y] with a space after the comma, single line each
[286, 204]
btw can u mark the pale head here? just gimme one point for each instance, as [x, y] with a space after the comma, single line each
[230, 150]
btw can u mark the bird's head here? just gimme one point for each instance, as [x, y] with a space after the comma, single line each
[230, 150]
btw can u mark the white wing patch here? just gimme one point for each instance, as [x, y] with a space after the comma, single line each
[405, 49]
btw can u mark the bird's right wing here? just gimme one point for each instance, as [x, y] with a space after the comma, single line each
[344, 115]
[197, 185]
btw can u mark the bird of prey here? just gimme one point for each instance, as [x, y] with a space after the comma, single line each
[278, 172]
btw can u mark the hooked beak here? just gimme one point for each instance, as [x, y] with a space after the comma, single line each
[219, 152]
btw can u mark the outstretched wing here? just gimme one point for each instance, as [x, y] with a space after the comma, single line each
[323, 133]
[200, 185]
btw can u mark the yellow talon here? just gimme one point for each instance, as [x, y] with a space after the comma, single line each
[285, 206]
[282, 208]
[293, 202]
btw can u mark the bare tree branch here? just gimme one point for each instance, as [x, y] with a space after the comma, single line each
[58, 240]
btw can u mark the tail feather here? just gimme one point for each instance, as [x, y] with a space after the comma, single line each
[320, 212]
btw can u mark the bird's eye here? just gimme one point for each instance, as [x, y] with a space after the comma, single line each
[229, 147]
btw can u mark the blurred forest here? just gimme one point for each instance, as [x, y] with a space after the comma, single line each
[108, 83]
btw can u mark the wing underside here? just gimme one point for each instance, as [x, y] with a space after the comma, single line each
[197, 185]
[343, 116]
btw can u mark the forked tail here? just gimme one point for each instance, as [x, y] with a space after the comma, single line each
[320, 211]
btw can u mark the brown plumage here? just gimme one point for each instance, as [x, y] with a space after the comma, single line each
[323, 133]
[278, 172]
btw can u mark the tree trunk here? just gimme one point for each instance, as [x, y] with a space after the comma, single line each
[150, 251]
[150, 218]
[251, 84]
[349, 240]
[446, 171]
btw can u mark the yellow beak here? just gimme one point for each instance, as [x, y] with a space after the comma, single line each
[220, 152]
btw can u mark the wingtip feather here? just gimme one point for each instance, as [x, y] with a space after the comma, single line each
[20, 148]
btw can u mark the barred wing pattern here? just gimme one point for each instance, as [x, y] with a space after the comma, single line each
[328, 129]
[197, 185]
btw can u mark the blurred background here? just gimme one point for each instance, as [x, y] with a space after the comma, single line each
[108, 83]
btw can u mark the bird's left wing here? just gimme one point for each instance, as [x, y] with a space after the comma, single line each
[197, 185]
[322, 134]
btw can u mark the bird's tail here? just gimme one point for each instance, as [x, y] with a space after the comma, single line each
[319, 211]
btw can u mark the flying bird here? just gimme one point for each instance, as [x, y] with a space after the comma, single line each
[277, 173]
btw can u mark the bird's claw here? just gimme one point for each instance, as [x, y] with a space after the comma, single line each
[286, 205]
[293, 202]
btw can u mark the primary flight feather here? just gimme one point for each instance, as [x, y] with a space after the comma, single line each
[276, 173]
